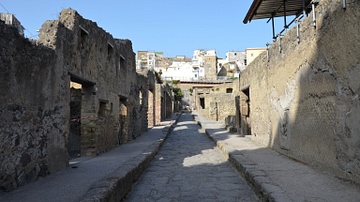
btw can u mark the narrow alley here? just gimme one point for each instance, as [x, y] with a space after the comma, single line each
[190, 168]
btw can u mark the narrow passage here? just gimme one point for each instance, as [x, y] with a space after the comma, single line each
[190, 168]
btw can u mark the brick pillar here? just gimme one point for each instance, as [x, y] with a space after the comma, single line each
[88, 121]
[157, 104]
[151, 109]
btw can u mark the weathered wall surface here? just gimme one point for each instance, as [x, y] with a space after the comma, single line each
[216, 103]
[32, 108]
[220, 106]
[39, 109]
[106, 69]
[167, 100]
[304, 101]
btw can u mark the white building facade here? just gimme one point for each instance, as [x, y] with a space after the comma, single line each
[182, 71]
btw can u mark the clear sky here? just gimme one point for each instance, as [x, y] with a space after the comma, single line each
[169, 26]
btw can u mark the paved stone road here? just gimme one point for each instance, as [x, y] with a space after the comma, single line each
[190, 168]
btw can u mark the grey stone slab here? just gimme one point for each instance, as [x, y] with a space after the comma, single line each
[276, 177]
[191, 165]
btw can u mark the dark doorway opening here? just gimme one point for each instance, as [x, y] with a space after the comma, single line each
[246, 118]
[81, 102]
[123, 136]
[202, 103]
[74, 139]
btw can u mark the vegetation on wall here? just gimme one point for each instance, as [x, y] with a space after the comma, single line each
[177, 94]
[191, 91]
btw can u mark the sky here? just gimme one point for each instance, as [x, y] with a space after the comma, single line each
[173, 27]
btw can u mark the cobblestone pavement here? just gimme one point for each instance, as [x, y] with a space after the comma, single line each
[190, 168]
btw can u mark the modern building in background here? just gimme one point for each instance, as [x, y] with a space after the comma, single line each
[205, 62]
[203, 66]
[10, 19]
[252, 53]
[237, 57]
[182, 71]
[232, 65]
[149, 60]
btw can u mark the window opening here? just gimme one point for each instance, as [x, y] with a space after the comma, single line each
[229, 90]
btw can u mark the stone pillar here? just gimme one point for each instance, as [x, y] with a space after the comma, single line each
[238, 114]
[244, 109]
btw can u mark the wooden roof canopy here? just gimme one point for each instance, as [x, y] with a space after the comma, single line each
[261, 9]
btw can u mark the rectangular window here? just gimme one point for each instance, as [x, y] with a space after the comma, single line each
[83, 36]
[110, 51]
[122, 62]
[102, 109]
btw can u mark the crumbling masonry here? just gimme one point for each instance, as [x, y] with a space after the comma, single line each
[74, 91]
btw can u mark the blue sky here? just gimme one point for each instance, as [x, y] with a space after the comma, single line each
[169, 26]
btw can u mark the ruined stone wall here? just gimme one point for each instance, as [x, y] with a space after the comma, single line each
[220, 106]
[140, 121]
[225, 88]
[167, 101]
[106, 69]
[155, 106]
[304, 101]
[32, 108]
[127, 88]
[38, 107]
[127, 69]
[151, 98]
[219, 101]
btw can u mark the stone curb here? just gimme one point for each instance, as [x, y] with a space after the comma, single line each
[257, 178]
[115, 186]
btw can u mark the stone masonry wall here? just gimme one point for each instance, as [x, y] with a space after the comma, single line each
[32, 108]
[219, 101]
[138, 112]
[35, 97]
[106, 68]
[304, 101]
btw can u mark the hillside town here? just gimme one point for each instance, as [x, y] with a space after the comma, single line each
[285, 116]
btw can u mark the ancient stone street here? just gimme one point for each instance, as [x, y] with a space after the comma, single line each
[190, 168]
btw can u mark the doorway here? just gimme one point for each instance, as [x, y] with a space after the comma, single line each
[74, 139]
[245, 111]
[82, 105]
